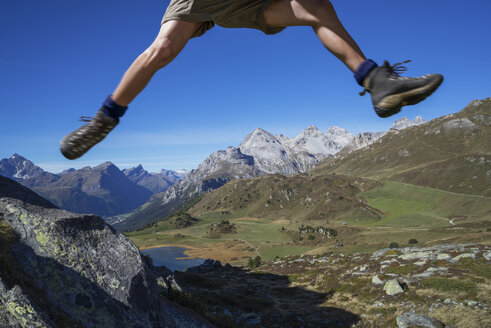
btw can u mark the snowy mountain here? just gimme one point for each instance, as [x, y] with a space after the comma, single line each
[155, 182]
[338, 137]
[17, 167]
[270, 155]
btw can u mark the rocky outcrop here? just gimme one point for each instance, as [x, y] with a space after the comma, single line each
[77, 268]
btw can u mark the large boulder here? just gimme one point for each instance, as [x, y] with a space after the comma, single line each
[81, 268]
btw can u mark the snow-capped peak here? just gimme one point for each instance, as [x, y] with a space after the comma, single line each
[340, 136]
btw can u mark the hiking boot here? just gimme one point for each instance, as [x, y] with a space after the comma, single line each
[390, 91]
[77, 143]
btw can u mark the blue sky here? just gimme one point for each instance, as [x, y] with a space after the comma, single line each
[60, 59]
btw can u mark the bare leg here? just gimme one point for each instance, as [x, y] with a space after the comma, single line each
[321, 16]
[171, 39]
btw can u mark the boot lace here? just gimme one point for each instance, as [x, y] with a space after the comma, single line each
[395, 69]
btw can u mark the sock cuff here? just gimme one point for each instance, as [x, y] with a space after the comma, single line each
[363, 70]
[112, 109]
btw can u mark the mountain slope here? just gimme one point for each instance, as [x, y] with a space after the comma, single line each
[451, 153]
[219, 168]
[300, 197]
[365, 139]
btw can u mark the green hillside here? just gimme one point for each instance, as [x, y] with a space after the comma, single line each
[299, 197]
[451, 153]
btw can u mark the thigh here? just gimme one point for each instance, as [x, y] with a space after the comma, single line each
[292, 12]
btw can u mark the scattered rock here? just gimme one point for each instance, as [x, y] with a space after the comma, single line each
[461, 256]
[443, 256]
[413, 320]
[392, 287]
[376, 280]
[487, 256]
[417, 255]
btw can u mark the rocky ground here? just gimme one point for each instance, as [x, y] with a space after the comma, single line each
[439, 286]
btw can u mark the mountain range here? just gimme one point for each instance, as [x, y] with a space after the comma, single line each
[104, 190]
[260, 153]
[449, 157]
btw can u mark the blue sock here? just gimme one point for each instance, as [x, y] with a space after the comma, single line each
[363, 70]
[112, 109]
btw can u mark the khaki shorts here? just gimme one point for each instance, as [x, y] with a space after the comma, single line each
[225, 13]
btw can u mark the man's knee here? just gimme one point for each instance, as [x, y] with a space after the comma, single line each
[161, 52]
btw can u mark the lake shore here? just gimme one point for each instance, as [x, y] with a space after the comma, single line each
[226, 252]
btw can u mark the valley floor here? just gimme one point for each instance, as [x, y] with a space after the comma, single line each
[411, 215]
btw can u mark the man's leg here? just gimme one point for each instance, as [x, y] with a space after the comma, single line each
[389, 91]
[321, 16]
[171, 39]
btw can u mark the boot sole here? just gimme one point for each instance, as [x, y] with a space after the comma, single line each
[392, 104]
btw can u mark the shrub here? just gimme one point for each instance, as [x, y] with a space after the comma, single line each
[413, 241]
[393, 245]
[254, 262]
[293, 277]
